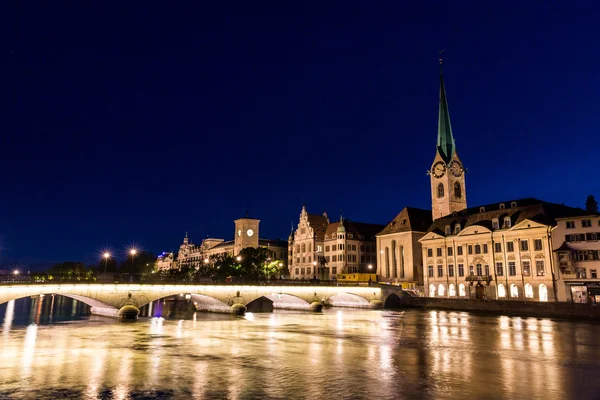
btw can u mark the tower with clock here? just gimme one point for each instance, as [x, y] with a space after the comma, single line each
[448, 192]
[246, 234]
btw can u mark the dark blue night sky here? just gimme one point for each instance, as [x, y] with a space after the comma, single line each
[135, 123]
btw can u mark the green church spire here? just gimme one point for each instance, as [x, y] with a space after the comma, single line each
[445, 140]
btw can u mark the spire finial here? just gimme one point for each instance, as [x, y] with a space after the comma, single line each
[186, 233]
[341, 216]
[441, 52]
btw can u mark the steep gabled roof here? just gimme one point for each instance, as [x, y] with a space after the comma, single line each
[362, 230]
[409, 219]
[518, 210]
[319, 224]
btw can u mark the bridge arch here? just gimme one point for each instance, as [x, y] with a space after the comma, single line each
[282, 301]
[393, 301]
[201, 302]
[347, 300]
[97, 307]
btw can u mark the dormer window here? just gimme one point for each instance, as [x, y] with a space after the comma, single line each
[502, 206]
[513, 204]
[495, 223]
[481, 209]
[448, 230]
[456, 229]
[507, 222]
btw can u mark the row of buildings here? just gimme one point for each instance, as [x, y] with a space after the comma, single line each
[522, 249]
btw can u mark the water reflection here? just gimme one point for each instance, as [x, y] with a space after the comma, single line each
[340, 353]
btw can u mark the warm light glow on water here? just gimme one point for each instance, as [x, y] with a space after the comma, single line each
[341, 353]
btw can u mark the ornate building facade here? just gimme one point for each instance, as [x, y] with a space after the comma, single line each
[246, 234]
[322, 249]
[577, 256]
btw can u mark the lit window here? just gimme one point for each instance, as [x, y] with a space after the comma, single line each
[514, 291]
[540, 269]
[461, 290]
[441, 290]
[543, 292]
[528, 291]
[432, 290]
[501, 291]
[451, 290]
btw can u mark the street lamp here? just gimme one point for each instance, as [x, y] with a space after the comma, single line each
[16, 272]
[370, 267]
[315, 269]
[106, 257]
[238, 258]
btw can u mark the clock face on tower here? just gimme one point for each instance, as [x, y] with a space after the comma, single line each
[250, 232]
[456, 168]
[439, 169]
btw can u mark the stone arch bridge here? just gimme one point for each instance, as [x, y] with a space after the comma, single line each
[109, 299]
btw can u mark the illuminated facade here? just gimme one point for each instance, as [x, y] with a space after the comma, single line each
[246, 234]
[577, 256]
[323, 249]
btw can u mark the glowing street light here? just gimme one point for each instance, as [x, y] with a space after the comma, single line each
[206, 261]
[238, 258]
[106, 257]
[370, 267]
[16, 272]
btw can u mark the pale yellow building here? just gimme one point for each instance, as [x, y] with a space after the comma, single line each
[577, 256]
[399, 250]
[325, 250]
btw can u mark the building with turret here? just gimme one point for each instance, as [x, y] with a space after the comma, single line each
[325, 250]
[246, 234]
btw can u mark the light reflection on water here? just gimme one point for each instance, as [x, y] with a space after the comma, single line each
[341, 353]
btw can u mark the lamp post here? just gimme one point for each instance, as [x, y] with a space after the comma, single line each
[106, 257]
[133, 252]
[370, 267]
[315, 270]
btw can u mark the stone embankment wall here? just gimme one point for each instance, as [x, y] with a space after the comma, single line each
[524, 308]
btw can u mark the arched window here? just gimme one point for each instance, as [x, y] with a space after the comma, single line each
[309, 247]
[543, 292]
[387, 262]
[432, 290]
[457, 190]
[514, 290]
[441, 290]
[501, 290]
[528, 291]
[451, 290]
[441, 190]
[461, 290]
[394, 260]
[303, 248]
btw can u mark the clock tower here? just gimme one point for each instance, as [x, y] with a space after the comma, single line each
[447, 173]
[246, 234]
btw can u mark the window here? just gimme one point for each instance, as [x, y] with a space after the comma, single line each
[501, 290]
[514, 291]
[471, 271]
[537, 244]
[570, 224]
[461, 270]
[298, 260]
[432, 290]
[510, 246]
[451, 270]
[477, 249]
[487, 270]
[319, 248]
[457, 190]
[448, 230]
[461, 290]
[334, 270]
[479, 270]
[591, 236]
[441, 290]
[586, 223]
[309, 259]
[308, 270]
[524, 245]
[429, 252]
[438, 251]
[470, 249]
[498, 247]
[304, 248]
[593, 274]
[543, 292]
[512, 268]
[334, 258]
[303, 260]
[327, 249]
[333, 247]
[459, 250]
[449, 250]
[495, 223]
[528, 291]
[327, 258]
[298, 249]
[526, 268]
[485, 248]
[451, 290]
[456, 229]
[540, 268]
[430, 271]
[499, 269]
[440, 191]
[309, 247]
[302, 271]
[297, 271]
[440, 271]
[507, 222]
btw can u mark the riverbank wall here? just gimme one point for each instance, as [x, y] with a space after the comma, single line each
[513, 307]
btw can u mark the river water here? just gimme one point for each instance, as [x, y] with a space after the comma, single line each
[339, 354]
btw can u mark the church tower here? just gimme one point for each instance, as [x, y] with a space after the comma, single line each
[448, 192]
[246, 234]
